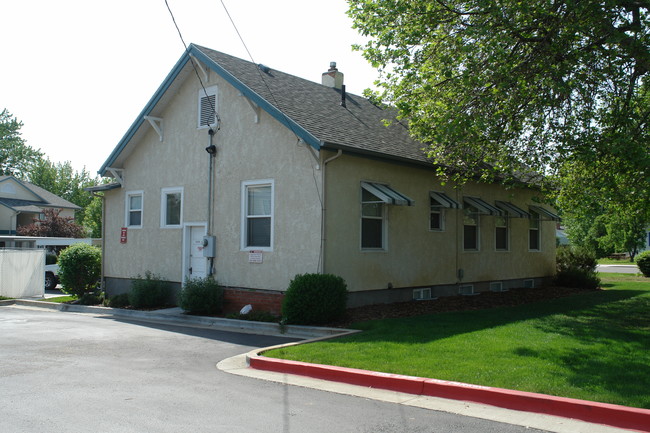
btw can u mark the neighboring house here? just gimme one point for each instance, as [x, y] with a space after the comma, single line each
[21, 202]
[301, 177]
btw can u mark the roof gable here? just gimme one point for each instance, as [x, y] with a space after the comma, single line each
[12, 188]
[312, 111]
[29, 197]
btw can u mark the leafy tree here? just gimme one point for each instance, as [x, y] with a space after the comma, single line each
[16, 157]
[512, 82]
[560, 88]
[53, 225]
[61, 179]
[93, 218]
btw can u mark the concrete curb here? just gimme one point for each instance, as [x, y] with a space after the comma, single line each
[600, 413]
[176, 317]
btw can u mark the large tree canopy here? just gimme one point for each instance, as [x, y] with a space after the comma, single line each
[507, 84]
[16, 157]
[558, 88]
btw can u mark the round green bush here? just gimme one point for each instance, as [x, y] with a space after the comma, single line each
[80, 267]
[576, 268]
[643, 262]
[149, 292]
[201, 296]
[314, 299]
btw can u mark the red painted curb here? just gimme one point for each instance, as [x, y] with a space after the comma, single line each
[594, 412]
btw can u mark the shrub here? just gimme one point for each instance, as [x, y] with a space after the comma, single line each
[80, 269]
[118, 301]
[149, 292]
[314, 299]
[201, 295]
[643, 262]
[576, 267]
[94, 298]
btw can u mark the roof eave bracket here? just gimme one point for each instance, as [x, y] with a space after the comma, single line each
[312, 151]
[118, 174]
[157, 124]
[254, 106]
[204, 71]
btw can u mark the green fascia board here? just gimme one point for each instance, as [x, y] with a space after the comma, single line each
[245, 90]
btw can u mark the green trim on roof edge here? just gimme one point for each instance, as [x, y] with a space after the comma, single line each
[193, 50]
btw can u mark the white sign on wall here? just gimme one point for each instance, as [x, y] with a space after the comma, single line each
[255, 256]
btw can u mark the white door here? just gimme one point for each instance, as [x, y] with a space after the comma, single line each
[195, 263]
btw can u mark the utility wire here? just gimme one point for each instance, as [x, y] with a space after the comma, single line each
[275, 101]
[196, 71]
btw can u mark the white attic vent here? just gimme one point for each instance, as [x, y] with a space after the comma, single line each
[207, 107]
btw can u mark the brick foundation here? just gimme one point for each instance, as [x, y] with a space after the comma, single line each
[235, 298]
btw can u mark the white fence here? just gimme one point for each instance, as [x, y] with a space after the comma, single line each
[22, 273]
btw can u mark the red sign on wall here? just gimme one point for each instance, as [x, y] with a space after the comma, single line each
[123, 235]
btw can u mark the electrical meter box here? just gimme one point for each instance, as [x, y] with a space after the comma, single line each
[209, 246]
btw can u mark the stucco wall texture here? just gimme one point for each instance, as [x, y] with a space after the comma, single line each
[305, 190]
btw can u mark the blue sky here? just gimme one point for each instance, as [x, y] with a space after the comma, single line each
[77, 73]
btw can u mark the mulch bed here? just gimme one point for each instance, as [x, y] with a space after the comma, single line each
[444, 304]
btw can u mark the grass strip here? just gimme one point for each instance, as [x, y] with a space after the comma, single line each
[592, 346]
[60, 299]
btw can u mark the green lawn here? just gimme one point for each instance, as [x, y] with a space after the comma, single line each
[59, 299]
[593, 346]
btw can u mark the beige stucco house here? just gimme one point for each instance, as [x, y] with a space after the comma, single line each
[254, 175]
[21, 202]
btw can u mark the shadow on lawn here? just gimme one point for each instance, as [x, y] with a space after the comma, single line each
[611, 353]
[426, 328]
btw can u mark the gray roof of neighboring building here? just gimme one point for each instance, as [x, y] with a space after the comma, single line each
[47, 199]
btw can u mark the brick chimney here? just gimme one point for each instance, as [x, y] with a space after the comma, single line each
[333, 78]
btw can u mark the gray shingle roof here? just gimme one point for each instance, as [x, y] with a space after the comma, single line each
[48, 199]
[359, 126]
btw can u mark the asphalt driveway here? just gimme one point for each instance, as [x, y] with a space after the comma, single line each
[66, 372]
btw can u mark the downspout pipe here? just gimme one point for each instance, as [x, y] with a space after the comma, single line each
[324, 210]
[212, 151]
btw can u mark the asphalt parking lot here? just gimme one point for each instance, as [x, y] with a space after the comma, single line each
[67, 372]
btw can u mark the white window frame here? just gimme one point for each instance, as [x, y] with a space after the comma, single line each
[128, 210]
[537, 229]
[477, 216]
[164, 192]
[244, 213]
[211, 91]
[422, 294]
[507, 228]
[435, 207]
[384, 223]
